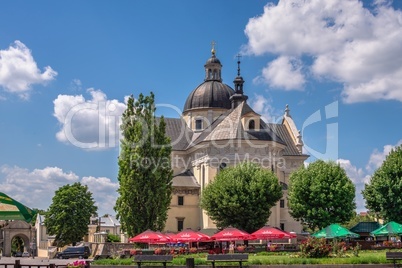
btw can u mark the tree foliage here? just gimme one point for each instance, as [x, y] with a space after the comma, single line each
[145, 173]
[241, 197]
[69, 214]
[369, 217]
[321, 194]
[383, 192]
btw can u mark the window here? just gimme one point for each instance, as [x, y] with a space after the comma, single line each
[282, 203]
[222, 166]
[180, 225]
[198, 124]
[180, 200]
[251, 124]
[282, 226]
[284, 186]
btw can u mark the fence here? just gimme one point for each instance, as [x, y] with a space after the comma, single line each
[17, 264]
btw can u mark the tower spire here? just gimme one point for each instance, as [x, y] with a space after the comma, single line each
[238, 64]
[238, 97]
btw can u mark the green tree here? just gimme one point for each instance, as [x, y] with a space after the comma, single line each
[69, 214]
[145, 173]
[383, 192]
[359, 218]
[112, 238]
[36, 212]
[241, 197]
[321, 194]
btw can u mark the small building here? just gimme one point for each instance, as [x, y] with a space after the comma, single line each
[99, 227]
[365, 228]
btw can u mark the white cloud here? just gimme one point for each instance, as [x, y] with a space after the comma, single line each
[18, 70]
[284, 72]
[36, 188]
[377, 157]
[263, 106]
[88, 124]
[104, 192]
[342, 40]
[361, 176]
[76, 85]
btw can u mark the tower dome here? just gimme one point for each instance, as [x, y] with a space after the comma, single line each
[212, 93]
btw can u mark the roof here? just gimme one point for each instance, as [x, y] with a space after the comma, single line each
[209, 94]
[185, 179]
[108, 221]
[365, 227]
[228, 126]
[281, 132]
[180, 135]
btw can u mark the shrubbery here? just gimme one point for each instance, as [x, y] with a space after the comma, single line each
[319, 248]
[315, 248]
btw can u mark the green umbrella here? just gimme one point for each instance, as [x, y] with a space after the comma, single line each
[334, 231]
[11, 209]
[389, 229]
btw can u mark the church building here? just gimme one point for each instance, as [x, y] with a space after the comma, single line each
[218, 129]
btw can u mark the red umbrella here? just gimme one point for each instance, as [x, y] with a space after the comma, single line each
[231, 233]
[149, 237]
[268, 232]
[189, 236]
[205, 237]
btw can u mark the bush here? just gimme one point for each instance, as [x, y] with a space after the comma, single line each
[112, 238]
[315, 248]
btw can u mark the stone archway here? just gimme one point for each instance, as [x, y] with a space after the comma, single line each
[18, 229]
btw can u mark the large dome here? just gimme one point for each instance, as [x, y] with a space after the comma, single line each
[210, 94]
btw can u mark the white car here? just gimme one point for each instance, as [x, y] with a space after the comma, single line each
[25, 254]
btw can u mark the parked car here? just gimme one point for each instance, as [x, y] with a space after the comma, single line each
[25, 254]
[20, 254]
[17, 254]
[80, 252]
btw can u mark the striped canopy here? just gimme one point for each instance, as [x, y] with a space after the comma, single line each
[11, 209]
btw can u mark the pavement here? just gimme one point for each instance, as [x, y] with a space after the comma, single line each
[33, 262]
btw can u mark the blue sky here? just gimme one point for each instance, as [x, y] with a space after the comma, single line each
[66, 68]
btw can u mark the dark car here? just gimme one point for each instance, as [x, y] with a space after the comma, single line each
[17, 254]
[80, 252]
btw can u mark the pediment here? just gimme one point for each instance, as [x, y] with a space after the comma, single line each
[18, 225]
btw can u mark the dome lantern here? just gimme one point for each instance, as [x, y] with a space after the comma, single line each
[212, 93]
[213, 67]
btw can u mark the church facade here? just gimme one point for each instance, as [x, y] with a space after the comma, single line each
[219, 129]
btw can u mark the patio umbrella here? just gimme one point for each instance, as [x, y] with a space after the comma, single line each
[190, 236]
[389, 229]
[205, 237]
[268, 232]
[231, 233]
[150, 237]
[334, 231]
[11, 209]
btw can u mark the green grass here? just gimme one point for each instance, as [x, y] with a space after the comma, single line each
[271, 258]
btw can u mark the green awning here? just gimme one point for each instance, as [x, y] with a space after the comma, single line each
[335, 231]
[389, 229]
[11, 209]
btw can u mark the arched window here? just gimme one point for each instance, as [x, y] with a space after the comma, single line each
[251, 124]
[284, 186]
[222, 166]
